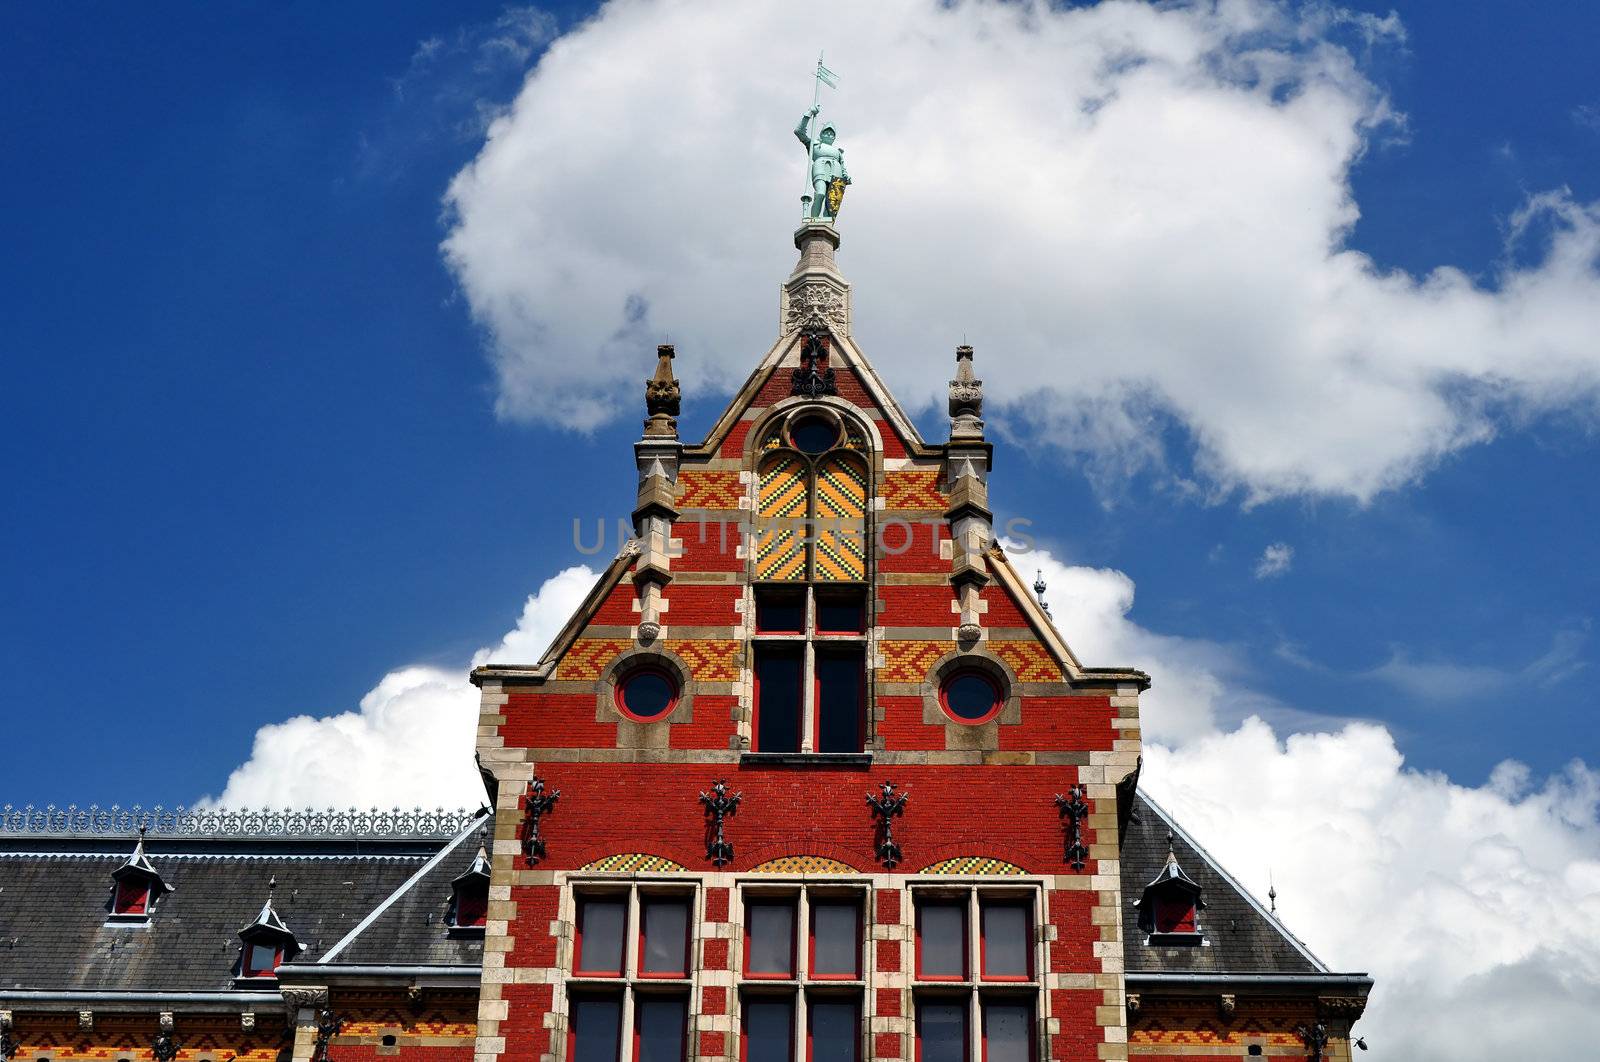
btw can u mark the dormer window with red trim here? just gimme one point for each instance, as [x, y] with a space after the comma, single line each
[1169, 906]
[469, 896]
[266, 943]
[136, 887]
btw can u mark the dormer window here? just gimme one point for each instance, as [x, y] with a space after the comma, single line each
[469, 896]
[261, 959]
[136, 886]
[1170, 904]
[133, 898]
[266, 943]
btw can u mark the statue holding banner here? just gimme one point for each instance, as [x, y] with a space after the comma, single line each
[827, 174]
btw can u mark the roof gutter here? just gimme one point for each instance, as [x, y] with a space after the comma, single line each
[297, 971]
[134, 1000]
[1352, 980]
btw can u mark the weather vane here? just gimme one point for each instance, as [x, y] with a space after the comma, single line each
[826, 175]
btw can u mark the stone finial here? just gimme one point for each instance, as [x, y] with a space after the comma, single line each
[662, 396]
[966, 398]
[1039, 587]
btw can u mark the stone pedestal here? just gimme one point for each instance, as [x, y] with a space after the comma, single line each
[816, 294]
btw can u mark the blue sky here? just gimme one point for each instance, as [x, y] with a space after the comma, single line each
[254, 460]
[308, 369]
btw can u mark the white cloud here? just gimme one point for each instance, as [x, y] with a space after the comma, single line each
[1139, 212]
[410, 742]
[1275, 560]
[1477, 909]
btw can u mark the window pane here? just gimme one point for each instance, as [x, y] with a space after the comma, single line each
[263, 958]
[834, 1035]
[1005, 940]
[600, 924]
[771, 929]
[840, 685]
[768, 1030]
[472, 905]
[1007, 1031]
[661, 1024]
[841, 613]
[780, 611]
[648, 693]
[666, 928]
[813, 435]
[132, 897]
[942, 1032]
[596, 1029]
[941, 947]
[970, 696]
[1174, 915]
[778, 674]
[835, 944]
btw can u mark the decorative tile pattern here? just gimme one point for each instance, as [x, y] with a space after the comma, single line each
[635, 863]
[709, 490]
[841, 514]
[973, 865]
[909, 661]
[803, 864]
[781, 497]
[913, 490]
[1030, 660]
[710, 659]
[589, 656]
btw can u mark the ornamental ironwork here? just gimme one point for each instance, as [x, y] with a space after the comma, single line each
[1073, 809]
[814, 377]
[159, 821]
[1315, 1038]
[885, 806]
[164, 1048]
[328, 1026]
[539, 805]
[719, 807]
[8, 1043]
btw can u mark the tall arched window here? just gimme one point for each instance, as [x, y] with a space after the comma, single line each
[810, 586]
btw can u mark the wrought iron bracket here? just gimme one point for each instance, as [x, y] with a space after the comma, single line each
[1315, 1038]
[328, 1026]
[719, 807]
[539, 805]
[1073, 810]
[8, 1043]
[164, 1048]
[814, 377]
[885, 806]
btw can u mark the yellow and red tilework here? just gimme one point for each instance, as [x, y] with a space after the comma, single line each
[909, 661]
[841, 519]
[588, 657]
[1030, 660]
[709, 490]
[803, 864]
[913, 490]
[973, 865]
[635, 863]
[710, 659]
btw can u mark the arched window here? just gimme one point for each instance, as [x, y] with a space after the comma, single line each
[810, 593]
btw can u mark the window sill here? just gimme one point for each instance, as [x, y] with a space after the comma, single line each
[806, 759]
[1175, 940]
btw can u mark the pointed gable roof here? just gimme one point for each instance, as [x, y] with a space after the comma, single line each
[269, 925]
[138, 866]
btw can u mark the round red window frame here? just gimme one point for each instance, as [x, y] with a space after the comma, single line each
[975, 672]
[647, 669]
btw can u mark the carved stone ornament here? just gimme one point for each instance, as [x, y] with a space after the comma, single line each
[1351, 1007]
[86, 1020]
[247, 1021]
[1226, 1005]
[1134, 1002]
[8, 1043]
[649, 631]
[968, 633]
[662, 395]
[414, 994]
[815, 305]
[305, 996]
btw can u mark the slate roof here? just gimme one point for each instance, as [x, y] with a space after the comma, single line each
[55, 897]
[1240, 937]
[383, 901]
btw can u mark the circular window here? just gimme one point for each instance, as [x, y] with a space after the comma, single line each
[812, 434]
[970, 696]
[646, 694]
